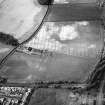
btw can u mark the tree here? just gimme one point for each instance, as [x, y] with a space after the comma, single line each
[8, 39]
[45, 2]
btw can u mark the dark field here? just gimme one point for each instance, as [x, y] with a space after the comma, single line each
[26, 68]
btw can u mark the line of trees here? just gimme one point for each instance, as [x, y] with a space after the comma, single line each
[8, 39]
